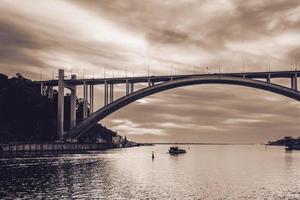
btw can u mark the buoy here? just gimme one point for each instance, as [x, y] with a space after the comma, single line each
[152, 155]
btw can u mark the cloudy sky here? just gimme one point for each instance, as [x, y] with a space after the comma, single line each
[103, 38]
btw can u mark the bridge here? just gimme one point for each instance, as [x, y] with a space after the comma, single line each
[153, 84]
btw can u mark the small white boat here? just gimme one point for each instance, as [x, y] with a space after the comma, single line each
[176, 150]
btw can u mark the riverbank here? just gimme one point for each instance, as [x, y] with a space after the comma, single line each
[191, 143]
[53, 149]
[28, 115]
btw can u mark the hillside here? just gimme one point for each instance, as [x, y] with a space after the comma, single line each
[25, 115]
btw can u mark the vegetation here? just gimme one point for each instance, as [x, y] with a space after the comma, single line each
[286, 141]
[25, 115]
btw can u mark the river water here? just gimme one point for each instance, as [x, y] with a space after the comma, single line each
[204, 172]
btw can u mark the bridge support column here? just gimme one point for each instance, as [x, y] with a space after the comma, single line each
[85, 100]
[294, 84]
[111, 92]
[269, 78]
[149, 83]
[60, 104]
[91, 98]
[42, 89]
[127, 87]
[73, 104]
[50, 92]
[105, 93]
[131, 87]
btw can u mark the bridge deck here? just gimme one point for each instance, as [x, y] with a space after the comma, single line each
[145, 79]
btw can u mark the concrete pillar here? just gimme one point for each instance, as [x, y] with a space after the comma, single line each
[73, 104]
[131, 87]
[60, 104]
[294, 84]
[149, 82]
[42, 89]
[47, 93]
[127, 87]
[105, 93]
[111, 93]
[269, 78]
[91, 98]
[85, 100]
[50, 92]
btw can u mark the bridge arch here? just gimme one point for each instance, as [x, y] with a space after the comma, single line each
[209, 79]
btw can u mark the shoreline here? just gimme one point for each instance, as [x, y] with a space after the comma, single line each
[50, 149]
[194, 143]
[14, 150]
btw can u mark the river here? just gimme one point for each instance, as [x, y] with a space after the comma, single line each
[204, 172]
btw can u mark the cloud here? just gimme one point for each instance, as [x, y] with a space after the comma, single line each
[106, 37]
[200, 114]
[17, 46]
[33, 38]
[131, 128]
[240, 121]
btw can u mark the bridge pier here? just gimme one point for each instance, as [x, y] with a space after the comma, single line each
[50, 92]
[111, 93]
[85, 100]
[42, 89]
[105, 93]
[47, 91]
[269, 78]
[294, 84]
[73, 104]
[127, 87]
[150, 83]
[60, 104]
[91, 98]
[131, 87]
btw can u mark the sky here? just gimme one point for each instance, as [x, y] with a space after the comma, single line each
[106, 38]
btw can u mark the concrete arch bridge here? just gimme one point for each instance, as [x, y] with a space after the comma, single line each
[155, 84]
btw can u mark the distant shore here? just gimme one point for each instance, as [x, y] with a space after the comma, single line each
[54, 149]
[193, 143]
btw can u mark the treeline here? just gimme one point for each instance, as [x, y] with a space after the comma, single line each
[26, 115]
[286, 141]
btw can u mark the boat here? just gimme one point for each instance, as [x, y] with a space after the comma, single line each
[176, 150]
